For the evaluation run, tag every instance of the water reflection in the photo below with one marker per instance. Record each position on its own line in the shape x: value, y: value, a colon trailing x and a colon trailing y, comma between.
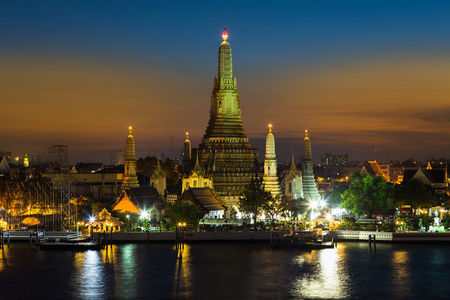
x: 322, y: 274
x: 125, y: 271
x: 108, y: 254
x: 89, y: 275
x: 401, y: 275
x: 3, y: 258
x: 182, y: 283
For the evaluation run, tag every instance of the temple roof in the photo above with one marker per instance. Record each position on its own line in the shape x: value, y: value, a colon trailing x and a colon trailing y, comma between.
x: 203, y: 198
x: 372, y: 168
x: 427, y: 176
x: 4, y: 167
x: 135, y: 200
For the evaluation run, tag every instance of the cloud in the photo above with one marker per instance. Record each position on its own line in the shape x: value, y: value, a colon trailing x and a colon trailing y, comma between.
x: 438, y: 116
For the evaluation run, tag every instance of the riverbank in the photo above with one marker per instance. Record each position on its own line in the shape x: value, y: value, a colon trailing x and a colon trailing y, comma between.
x: 266, y: 236
x: 238, y: 236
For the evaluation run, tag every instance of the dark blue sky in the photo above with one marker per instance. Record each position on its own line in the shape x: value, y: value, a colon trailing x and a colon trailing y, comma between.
x: 358, y: 74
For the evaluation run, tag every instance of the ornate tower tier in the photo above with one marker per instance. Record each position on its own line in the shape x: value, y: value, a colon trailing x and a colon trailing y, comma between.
x: 129, y: 175
x: 225, y: 151
x: 310, y: 192
x: 270, y: 179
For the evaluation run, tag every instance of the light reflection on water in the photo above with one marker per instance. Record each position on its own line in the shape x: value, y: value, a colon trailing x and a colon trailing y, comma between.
x: 182, y: 282
x: 401, y: 276
x: 3, y: 258
x: 89, y: 276
x: 322, y: 275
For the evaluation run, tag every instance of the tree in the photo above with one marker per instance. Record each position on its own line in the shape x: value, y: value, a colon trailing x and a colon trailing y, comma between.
x: 334, y: 197
x: 183, y: 212
x: 415, y: 193
x: 254, y: 199
x: 272, y: 209
x: 81, y: 204
x: 368, y: 194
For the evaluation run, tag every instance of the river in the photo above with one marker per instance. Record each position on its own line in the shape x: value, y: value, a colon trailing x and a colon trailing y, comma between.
x: 227, y: 271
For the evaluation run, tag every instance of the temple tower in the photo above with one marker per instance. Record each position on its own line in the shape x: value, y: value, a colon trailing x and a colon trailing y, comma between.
x: 293, y: 182
x: 270, y: 179
x: 309, y: 188
x: 187, y: 148
x: 225, y: 151
x: 129, y: 175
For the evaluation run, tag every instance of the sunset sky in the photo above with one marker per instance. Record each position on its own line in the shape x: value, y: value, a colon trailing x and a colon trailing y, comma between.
x: 358, y: 75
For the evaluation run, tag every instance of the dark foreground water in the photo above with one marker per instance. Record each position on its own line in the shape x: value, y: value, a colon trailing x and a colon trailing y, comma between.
x: 227, y: 271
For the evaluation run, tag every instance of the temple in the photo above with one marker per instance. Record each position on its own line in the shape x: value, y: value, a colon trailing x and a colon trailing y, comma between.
x: 310, y: 192
x: 270, y: 179
x: 225, y: 152
x: 130, y: 179
x: 293, y: 182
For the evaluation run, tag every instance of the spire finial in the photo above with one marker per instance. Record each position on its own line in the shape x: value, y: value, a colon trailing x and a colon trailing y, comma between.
x: 187, y: 135
x: 130, y: 128
x: 270, y: 128
x: 224, y: 34
x: 306, y: 132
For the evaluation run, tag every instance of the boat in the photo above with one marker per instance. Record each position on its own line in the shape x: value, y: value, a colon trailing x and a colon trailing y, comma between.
x: 305, y: 240
x: 80, y: 246
x: 74, y: 243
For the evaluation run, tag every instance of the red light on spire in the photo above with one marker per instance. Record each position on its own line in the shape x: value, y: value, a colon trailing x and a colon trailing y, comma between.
x: 224, y: 34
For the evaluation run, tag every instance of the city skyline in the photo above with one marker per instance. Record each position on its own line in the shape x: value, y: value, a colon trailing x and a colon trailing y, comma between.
x: 357, y: 75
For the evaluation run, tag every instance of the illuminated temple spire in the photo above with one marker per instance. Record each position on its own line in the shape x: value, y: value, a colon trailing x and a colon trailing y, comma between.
x: 309, y: 188
x: 225, y: 123
x: 225, y: 152
x: 187, y: 148
x: 129, y: 175
x: 270, y: 179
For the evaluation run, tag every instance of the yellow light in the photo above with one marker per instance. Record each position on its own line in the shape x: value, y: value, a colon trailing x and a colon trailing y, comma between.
x: 224, y: 35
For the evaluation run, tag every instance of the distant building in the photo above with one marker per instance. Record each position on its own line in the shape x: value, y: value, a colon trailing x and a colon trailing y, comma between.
x: 118, y: 157
x: 7, y: 155
x: 26, y: 163
x: 336, y: 160
x: 435, y: 177
x: 373, y: 168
